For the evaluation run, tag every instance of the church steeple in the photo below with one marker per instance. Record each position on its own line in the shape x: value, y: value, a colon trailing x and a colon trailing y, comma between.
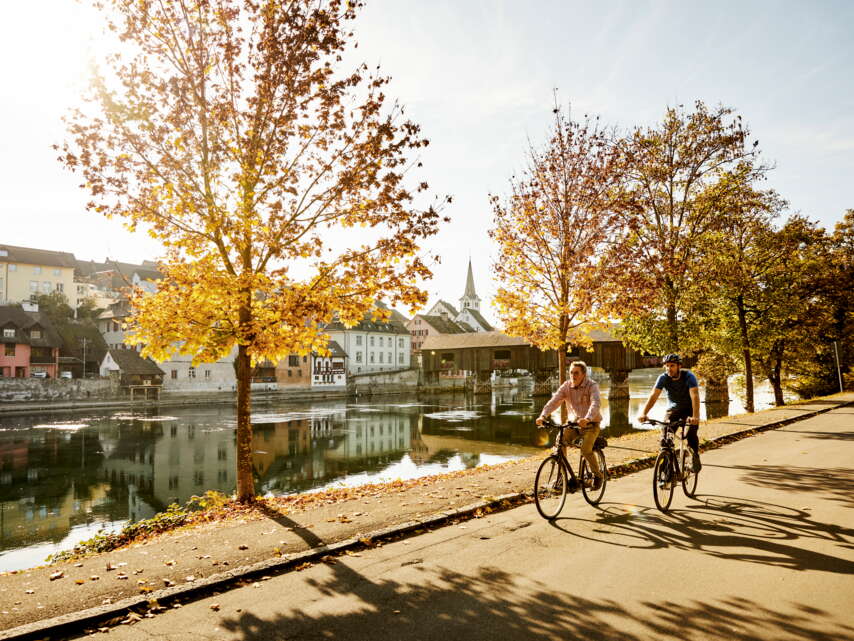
x: 470, y: 299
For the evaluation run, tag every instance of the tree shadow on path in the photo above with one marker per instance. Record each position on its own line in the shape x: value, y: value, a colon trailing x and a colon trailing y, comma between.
x: 727, y: 528
x: 443, y: 605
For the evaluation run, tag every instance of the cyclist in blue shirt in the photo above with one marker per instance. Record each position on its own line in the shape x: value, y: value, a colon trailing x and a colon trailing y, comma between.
x: 683, y: 397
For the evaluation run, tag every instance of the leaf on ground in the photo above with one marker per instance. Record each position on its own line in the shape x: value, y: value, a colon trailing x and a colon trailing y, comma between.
x: 214, y: 607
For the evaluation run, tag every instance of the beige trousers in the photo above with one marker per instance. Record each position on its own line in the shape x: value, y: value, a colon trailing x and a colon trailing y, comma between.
x: 588, y: 438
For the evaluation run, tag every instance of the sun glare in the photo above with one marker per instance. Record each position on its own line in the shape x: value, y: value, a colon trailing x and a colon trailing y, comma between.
x: 47, y: 46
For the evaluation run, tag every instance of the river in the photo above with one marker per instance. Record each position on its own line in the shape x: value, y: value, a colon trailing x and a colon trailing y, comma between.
x: 64, y: 477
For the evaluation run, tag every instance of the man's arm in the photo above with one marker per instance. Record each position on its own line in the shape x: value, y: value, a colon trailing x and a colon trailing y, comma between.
x: 553, y: 403
x: 695, y: 405
x: 653, y: 397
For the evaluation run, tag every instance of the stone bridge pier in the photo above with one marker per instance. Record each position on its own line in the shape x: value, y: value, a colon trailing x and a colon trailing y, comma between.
x: 542, y: 383
x: 483, y: 382
x: 619, y: 384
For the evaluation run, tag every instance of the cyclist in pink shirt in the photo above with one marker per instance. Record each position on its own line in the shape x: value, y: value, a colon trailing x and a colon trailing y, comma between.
x: 581, y: 395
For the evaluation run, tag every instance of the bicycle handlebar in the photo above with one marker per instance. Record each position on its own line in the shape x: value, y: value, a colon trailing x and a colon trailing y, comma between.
x: 548, y: 424
x: 675, y: 423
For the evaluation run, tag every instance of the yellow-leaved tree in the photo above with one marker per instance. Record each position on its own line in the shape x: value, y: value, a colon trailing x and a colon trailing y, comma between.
x: 550, y: 233
x: 228, y: 129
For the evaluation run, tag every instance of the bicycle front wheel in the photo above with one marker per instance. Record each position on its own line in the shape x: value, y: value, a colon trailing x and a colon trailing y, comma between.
x: 689, y: 476
x: 550, y: 487
x: 586, y: 477
x: 662, y: 481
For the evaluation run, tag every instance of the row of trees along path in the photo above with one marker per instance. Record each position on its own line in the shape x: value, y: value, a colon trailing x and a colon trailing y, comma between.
x: 667, y: 229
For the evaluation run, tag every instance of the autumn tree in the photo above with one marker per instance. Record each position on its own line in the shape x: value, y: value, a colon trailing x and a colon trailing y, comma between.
x: 549, y: 233
x: 680, y: 175
x: 812, y: 320
x: 737, y: 263
x: 230, y: 130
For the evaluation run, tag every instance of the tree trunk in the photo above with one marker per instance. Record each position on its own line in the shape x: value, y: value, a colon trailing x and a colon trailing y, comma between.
x: 672, y: 317
x: 745, y: 350
x: 561, y: 374
x: 775, y: 373
x: 245, y: 480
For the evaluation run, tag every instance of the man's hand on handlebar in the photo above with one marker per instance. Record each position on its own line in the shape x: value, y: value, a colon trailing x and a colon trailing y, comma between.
x: 693, y: 421
x: 539, y: 421
x: 643, y: 418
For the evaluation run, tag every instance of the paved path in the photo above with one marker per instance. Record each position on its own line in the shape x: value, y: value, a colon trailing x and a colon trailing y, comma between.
x: 766, y: 551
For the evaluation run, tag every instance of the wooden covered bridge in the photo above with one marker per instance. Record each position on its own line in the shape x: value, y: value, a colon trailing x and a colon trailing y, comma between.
x: 482, y: 353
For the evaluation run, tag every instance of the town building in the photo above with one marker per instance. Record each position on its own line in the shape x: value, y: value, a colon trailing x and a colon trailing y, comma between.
x: 294, y: 371
x: 423, y: 325
x: 444, y: 318
x: 374, y: 346
x: 30, y: 344
x: 26, y: 272
x: 139, y: 377
x: 329, y: 370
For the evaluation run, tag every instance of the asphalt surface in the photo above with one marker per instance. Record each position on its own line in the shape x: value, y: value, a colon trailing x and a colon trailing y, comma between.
x: 765, y: 551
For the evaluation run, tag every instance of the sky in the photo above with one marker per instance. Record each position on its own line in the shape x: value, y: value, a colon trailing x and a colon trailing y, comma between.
x: 479, y: 76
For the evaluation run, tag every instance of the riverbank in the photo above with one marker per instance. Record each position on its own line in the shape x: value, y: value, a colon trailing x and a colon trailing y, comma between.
x: 282, y: 534
x: 23, y: 408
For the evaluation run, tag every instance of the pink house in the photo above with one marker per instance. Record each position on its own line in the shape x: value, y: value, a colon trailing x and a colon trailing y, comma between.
x: 29, y: 345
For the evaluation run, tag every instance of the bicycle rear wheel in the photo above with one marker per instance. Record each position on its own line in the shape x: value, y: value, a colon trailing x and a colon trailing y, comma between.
x: 689, y: 476
x: 586, y: 478
x: 662, y: 481
x: 550, y: 487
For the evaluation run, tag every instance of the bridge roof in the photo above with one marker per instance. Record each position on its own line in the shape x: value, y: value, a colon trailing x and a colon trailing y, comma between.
x: 474, y: 339
x: 497, y: 339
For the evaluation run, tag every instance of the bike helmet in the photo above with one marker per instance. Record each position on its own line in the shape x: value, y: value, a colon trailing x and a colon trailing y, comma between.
x: 672, y: 358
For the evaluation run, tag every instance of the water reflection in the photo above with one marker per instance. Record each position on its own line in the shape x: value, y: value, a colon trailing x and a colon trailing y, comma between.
x: 62, y: 477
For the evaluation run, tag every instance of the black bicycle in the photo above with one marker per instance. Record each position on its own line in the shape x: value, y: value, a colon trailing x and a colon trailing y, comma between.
x: 555, y: 476
x: 672, y: 466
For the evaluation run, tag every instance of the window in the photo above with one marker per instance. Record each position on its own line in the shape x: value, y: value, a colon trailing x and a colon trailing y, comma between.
x: 46, y: 287
x: 293, y: 360
x: 358, y: 357
x: 372, y: 357
x: 358, y: 340
x: 381, y: 341
x: 305, y: 359
x: 60, y: 287
x: 400, y: 358
x: 9, y: 332
x: 34, y: 286
x: 289, y: 373
x: 10, y: 349
x: 35, y: 333
x: 381, y: 357
x: 174, y: 374
x: 199, y: 477
x: 81, y: 290
x: 192, y: 372
x: 400, y: 342
x: 37, y: 270
x: 13, y: 267
x: 372, y: 341
x: 221, y: 453
x: 173, y: 482
x: 389, y: 358
x: 207, y: 373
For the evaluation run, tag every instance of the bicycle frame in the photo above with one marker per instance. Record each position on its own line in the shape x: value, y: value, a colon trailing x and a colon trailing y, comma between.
x: 562, y: 457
